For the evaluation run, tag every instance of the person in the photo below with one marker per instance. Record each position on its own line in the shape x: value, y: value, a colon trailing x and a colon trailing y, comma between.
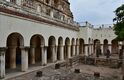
x: 108, y: 54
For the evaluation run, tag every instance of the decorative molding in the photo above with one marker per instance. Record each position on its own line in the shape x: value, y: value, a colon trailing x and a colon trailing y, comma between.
x: 39, y: 19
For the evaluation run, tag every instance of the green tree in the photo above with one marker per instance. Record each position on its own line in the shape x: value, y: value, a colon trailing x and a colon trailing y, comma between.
x: 119, y: 23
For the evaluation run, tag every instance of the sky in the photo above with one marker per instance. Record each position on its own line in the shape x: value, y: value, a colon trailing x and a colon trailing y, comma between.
x: 96, y: 12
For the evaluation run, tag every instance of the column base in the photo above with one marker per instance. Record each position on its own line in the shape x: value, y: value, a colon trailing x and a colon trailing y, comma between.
x: 44, y: 64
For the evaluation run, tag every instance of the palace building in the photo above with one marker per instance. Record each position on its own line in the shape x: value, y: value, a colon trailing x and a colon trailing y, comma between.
x: 40, y: 32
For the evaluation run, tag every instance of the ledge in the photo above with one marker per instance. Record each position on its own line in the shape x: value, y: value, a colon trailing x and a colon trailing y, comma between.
x: 39, y: 19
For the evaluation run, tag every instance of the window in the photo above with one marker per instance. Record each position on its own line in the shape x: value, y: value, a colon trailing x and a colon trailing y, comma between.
x: 48, y: 12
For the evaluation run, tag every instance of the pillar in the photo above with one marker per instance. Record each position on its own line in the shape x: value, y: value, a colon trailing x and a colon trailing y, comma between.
x: 61, y: 52
x: 73, y: 50
x: 77, y: 49
x: 92, y: 49
x: 69, y: 51
x: 24, y: 59
x: 12, y: 52
x: 32, y: 55
x: 86, y: 50
x: 102, y: 48
x: 54, y: 55
x: 56, y: 49
x: 44, y: 55
x: 2, y: 62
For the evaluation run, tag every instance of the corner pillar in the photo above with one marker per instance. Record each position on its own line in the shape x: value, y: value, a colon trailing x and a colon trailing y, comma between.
x: 2, y: 62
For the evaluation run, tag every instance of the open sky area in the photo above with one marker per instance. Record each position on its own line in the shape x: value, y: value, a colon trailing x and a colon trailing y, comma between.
x: 95, y: 12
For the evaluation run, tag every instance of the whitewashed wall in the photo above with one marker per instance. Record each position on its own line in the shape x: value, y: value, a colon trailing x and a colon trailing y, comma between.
x: 28, y: 28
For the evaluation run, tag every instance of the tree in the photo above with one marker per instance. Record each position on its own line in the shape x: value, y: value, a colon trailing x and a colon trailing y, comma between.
x: 119, y: 29
x: 119, y: 25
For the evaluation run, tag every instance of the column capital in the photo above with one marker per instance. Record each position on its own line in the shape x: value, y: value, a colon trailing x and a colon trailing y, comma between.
x: 24, y: 48
x: 2, y: 50
x: 27, y: 48
x: 42, y: 45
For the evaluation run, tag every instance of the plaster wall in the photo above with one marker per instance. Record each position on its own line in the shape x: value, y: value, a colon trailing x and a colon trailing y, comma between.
x: 27, y: 28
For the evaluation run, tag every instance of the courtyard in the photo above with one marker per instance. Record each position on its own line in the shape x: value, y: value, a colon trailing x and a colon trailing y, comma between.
x: 67, y: 72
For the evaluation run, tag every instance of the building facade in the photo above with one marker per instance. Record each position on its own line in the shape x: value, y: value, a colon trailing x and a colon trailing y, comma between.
x: 40, y: 32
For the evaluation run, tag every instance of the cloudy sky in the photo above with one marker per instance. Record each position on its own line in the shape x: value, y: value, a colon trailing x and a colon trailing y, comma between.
x: 94, y: 11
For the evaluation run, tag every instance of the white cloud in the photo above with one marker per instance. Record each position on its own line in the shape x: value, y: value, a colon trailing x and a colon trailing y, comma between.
x: 95, y: 11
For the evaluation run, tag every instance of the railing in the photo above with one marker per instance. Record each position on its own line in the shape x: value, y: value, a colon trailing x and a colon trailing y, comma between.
x: 86, y: 24
x: 32, y: 11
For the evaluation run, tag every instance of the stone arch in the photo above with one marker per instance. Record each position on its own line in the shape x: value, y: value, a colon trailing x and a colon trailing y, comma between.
x: 77, y: 41
x: 15, y: 42
x: 96, y: 45
x: 60, y: 41
x: 52, y: 41
x: 60, y: 45
x: 66, y: 49
x: 36, y: 42
x: 81, y: 46
x: 105, y: 46
x: 73, y: 41
x: 89, y: 40
x: 114, y: 47
x: 51, y: 52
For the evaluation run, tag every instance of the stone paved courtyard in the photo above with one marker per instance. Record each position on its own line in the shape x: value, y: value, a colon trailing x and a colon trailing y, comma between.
x: 86, y: 73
